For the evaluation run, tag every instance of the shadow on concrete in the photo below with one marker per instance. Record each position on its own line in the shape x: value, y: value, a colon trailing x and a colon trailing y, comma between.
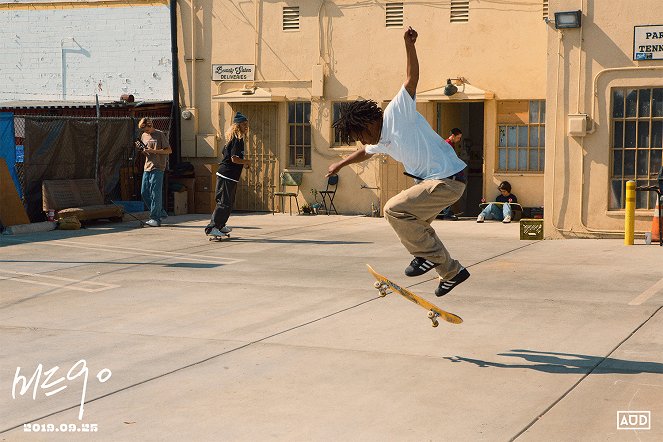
x: 292, y: 241
x: 568, y: 363
x: 187, y: 265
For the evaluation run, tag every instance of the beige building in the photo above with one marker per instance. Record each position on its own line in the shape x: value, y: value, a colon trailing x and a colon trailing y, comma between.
x: 289, y: 64
x: 605, y: 116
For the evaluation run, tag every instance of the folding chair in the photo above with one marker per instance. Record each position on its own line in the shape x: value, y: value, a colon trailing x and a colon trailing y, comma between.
x: 288, y: 179
x: 328, y: 194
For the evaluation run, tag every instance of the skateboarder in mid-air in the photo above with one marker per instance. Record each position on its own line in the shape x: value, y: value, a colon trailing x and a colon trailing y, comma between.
x: 405, y: 135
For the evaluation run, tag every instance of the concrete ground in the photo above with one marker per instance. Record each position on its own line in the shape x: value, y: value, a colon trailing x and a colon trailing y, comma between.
x: 279, y: 334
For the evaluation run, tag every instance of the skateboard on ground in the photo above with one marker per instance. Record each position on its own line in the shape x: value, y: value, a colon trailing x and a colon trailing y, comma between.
x: 218, y: 237
x: 434, y: 312
x: 142, y: 223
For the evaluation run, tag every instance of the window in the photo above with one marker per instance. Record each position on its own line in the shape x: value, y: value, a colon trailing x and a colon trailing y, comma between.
x: 520, y: 146
x: 299, y: 138
x: 336, y: 113
x: 394, y: 15
x: 291, y: 18
x: 636, y: 143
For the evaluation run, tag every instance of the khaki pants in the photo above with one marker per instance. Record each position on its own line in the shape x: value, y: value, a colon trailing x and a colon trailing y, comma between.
x: 411, y: 213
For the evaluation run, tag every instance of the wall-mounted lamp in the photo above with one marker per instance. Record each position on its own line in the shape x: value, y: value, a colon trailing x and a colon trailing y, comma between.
x: 568, y: 19
x: 248, y: 90
x: 450, y: 88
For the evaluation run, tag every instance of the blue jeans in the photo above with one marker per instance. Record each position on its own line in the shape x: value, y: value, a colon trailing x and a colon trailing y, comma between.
x: 494, y: 211
x: 152, y: 192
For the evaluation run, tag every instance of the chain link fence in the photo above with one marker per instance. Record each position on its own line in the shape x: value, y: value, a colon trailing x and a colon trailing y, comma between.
x: 73, y: 147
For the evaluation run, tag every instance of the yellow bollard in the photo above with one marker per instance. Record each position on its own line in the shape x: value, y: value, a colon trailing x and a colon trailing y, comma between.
x: 629, y: 215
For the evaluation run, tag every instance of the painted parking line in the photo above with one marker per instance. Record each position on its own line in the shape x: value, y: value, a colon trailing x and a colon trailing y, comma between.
x: 136, y: 251
x: 55, y: 281
x: 651, y: 291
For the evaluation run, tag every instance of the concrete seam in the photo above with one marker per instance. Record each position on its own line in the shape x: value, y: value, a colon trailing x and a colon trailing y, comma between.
x: 585, y: 376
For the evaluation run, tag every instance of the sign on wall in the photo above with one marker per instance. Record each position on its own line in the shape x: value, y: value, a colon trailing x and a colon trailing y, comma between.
x: 233, y: 72
x: 648, y: 42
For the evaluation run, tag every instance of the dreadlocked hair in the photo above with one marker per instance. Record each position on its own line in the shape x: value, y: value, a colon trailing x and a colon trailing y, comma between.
x: 355, y: 117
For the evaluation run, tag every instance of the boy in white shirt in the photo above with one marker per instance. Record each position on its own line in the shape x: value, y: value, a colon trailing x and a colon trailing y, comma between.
x: 404, y: 134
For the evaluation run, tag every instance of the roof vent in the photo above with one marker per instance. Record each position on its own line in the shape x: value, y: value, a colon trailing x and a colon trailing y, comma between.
x: 460, y: 11
x: 291, y: 18
x: 394, y: 15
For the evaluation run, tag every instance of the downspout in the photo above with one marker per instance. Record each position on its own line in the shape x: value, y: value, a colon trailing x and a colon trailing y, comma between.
x: 257, y: 40
x: 175, y: 112
x: 193, y: 57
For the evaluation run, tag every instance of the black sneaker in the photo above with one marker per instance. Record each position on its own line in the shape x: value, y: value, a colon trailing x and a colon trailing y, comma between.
x: 446, y: 286
x: 419, y: 266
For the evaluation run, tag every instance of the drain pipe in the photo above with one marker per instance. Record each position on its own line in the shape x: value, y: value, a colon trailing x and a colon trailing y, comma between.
x: 175, y: 112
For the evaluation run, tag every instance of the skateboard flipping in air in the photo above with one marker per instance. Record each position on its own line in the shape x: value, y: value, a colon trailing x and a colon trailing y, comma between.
x: 434, y: 312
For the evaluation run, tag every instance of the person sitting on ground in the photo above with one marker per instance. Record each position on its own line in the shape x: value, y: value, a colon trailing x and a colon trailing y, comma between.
x: 500, y: 212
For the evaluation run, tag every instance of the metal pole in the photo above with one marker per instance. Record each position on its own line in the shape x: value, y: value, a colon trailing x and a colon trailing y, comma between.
x: 177, y: 150
x: 96, y: 158
x: 629, y: 215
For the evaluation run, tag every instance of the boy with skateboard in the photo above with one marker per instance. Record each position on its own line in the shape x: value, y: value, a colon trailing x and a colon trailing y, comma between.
x: 404, y: 134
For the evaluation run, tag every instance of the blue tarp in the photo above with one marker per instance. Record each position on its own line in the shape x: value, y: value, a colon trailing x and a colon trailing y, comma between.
x: 8, y: 146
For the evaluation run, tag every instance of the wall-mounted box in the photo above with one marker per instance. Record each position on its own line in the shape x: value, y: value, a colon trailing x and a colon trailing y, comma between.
x: 577, y: 125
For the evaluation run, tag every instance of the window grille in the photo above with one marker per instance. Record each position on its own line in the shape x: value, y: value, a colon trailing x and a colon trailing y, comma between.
x: 636, y: 143
x: 520, y: 146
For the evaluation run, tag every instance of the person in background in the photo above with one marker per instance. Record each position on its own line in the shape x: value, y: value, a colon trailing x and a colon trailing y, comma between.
x: 228, y: 174
x: 500, y: 212
x: 156, y: 151
x: 454, y: 141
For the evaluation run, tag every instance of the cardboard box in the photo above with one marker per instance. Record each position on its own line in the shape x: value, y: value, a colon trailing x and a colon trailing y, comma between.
x: 205, y: 202
x: 205, y: 184
x: 206, y: 169
x: 180, y: 203
x: 190, y: 184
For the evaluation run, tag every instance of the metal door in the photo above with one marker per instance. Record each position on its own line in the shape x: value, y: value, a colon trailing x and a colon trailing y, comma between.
x: 392, y: 180
x: 254, y: 192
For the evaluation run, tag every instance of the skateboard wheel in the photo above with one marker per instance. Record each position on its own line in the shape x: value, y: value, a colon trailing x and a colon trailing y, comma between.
x: 431, y: 314
x: 435, y: 323
x: 377, y: 284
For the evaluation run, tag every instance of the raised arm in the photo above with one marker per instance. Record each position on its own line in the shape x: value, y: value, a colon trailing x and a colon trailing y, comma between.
x: 412, y: 77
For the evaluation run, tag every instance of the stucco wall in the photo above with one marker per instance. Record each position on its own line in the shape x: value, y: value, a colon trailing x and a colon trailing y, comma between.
x: 363, y: 58
x: 596, y: 57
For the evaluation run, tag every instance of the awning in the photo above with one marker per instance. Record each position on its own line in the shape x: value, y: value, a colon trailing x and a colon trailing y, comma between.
x: 248, y: 95
x: 465, y: 92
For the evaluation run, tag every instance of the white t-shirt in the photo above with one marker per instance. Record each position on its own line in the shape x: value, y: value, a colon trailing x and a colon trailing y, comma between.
x: 408, y: 138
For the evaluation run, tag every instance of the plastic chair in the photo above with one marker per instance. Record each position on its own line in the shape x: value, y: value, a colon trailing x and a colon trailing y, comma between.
x: 329, y: 193
x: 288, y: 179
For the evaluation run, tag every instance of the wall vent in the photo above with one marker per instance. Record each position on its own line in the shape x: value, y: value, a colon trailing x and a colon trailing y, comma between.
x: 291, y: 18
x: 394, y: 15
x: 545, y: 9
x: 460, y: 11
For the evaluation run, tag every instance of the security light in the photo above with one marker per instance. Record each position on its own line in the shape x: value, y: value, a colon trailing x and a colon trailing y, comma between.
x: 568, y: 19
x: 450, y: 89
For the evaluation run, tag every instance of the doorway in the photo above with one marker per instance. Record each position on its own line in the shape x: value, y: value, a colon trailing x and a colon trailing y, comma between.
x: 469, y: 118
x: 254, y: 192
